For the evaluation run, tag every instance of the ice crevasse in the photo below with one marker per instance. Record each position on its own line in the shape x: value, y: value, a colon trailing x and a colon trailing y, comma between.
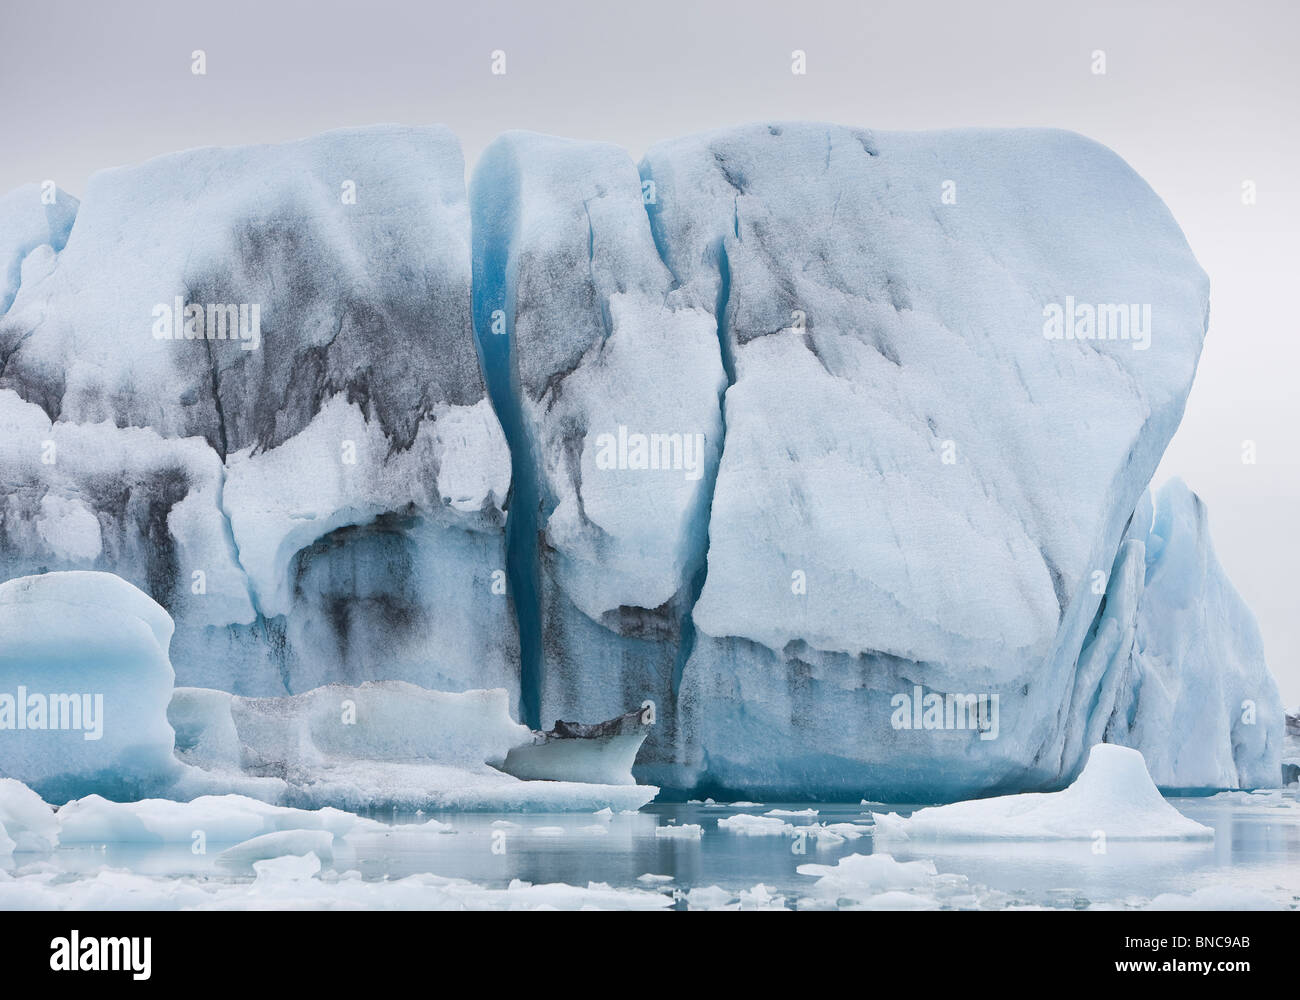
x: 785, y: 426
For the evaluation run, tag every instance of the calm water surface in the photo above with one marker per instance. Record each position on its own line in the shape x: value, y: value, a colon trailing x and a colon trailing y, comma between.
x: 1257, y: 848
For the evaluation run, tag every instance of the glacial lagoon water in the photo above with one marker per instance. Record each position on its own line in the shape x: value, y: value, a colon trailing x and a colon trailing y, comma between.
x: 1253, y: 860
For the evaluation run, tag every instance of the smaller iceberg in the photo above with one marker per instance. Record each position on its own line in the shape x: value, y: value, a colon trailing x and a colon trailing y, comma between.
x: 1113, y: 797
x: 601, y: 754
x: 84, y: 686
x: 27, y: 824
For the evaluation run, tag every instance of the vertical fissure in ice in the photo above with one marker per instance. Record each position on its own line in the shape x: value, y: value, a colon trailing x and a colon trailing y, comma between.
x: 698, y: 567
x: 703, y: 522
x: 492, y: 239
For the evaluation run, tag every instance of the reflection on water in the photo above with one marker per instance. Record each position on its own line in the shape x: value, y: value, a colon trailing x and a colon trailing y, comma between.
x: 1257, y: 847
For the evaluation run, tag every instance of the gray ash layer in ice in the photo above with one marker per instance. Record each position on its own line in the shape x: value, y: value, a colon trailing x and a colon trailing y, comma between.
x: 337, y: 481
x: 769, y: 430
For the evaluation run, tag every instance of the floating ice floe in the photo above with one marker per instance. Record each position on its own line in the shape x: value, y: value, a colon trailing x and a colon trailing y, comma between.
x: 686, y: 831
x: 223, y: 819
x: 860, y: 878
x: 749, y: 825
x: 297, y: 843
x: 602, y: 753
x: 1113, y: 797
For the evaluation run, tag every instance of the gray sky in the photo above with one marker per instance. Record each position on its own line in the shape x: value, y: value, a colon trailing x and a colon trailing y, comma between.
x: 1197, y: 96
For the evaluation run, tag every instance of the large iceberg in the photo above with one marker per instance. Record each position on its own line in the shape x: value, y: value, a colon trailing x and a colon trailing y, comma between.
x: 830, y: 443
x: 926, y: 470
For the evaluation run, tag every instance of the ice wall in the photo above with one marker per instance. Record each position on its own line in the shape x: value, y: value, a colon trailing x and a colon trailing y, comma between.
x: 917, y: 483
x: 612, y: 383
x: 317, y: 493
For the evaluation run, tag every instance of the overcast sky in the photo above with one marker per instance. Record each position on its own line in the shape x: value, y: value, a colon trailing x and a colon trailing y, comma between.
x: 1197, y: 96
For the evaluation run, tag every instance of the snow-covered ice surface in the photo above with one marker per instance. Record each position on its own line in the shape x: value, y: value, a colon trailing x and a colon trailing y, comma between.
x: 338, y: 481
x: 34, y: 226
x: 1112, y: 799
x: 908, y: 493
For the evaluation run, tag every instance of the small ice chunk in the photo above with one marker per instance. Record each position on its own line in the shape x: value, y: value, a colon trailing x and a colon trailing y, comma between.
x: 860, y: 876
x: 229, y: 819
x: 1114, y: 796
x: 280, y: 844
x: 28, y: 822
x: 756, y: 826
x: 290, y: 868
x: 708, y: 897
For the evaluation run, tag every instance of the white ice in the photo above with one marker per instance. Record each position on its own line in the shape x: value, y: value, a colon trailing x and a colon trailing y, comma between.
x: 1113, y: 798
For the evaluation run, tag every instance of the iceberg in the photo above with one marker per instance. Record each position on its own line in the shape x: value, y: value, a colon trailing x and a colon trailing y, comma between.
x: 293, y: 882
x: 602, y: 753
x: 27, y: 823
x: 922, y: 481
x: 830, y: 443
x: 866, y: 875
x: 388, y: 744
x: 748, y: 825
x: 1112, y: 798
x: 84, y: 686
x: 1176, y: 663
